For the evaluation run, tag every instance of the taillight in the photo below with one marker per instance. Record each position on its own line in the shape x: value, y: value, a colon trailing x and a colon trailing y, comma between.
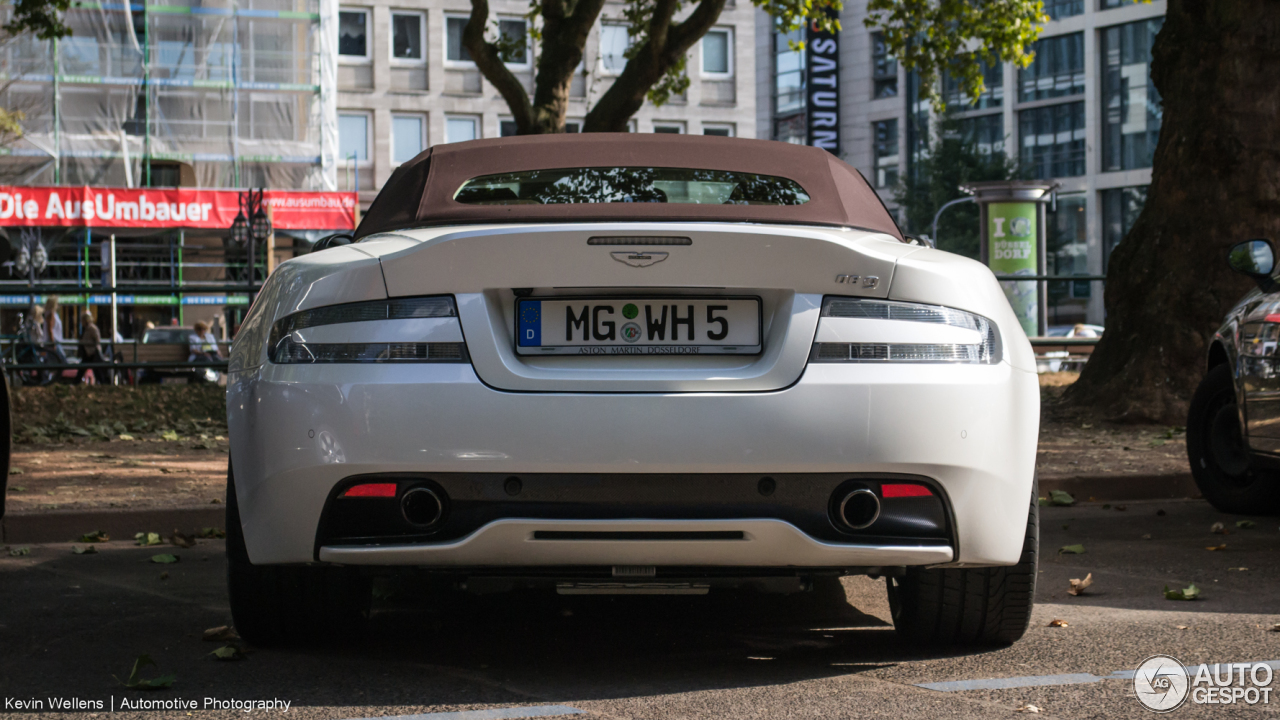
x: 903, y: 490
x: 371, y: 490
x: 860, y: 330
x: 291, y: 343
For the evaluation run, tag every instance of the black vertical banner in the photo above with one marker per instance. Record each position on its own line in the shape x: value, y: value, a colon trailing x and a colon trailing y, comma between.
x: 822, y: 89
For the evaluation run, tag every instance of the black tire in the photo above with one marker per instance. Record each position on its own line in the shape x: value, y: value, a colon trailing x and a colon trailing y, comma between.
x: 1219, y: 456
x: 969, y: 606
x: 290, y: 604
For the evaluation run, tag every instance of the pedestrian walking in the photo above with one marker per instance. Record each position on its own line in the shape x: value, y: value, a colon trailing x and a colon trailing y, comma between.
x: 53, y: 326
x: 91, y: 349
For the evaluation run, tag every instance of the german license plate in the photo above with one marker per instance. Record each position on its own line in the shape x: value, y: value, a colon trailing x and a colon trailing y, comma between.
x: 638, y: 326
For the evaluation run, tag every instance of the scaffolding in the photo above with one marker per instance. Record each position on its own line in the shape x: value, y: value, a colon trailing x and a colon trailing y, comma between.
x: 193, y: 93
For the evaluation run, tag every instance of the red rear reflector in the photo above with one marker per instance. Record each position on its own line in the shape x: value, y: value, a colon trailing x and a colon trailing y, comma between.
x: 896, y: 490
x: 371, y: 490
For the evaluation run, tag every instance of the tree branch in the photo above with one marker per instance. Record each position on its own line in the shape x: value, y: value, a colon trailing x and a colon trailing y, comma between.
x: 665, y: 46
x: 489, y: 60
x: 702, y: 19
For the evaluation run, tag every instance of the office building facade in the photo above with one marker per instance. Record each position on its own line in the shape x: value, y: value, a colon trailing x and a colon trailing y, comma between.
x: 405, y: 81
x: 1084, y: 114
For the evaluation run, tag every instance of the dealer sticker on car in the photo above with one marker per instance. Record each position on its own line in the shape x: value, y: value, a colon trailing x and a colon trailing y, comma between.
x: 638, y: 326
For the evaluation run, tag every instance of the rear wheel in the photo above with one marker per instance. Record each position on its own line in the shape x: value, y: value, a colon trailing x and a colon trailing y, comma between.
x: 1219, y: 456
x: 290, y: 604
x: 969, y: 606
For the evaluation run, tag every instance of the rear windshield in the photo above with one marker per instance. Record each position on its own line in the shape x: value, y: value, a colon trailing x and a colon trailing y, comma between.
x: 629, y: 185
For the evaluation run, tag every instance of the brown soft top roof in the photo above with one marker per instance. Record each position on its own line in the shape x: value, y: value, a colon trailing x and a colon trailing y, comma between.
x: 420, y: 192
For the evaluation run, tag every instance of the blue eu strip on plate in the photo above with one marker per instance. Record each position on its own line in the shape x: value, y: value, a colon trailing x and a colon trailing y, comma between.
x: 530, y: 323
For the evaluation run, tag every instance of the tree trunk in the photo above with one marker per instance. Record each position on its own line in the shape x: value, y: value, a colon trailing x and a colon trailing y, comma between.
x: 1215, y: 182
x: 564, y: 36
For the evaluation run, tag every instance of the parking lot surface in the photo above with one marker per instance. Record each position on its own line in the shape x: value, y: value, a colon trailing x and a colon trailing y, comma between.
x: 71, y: 627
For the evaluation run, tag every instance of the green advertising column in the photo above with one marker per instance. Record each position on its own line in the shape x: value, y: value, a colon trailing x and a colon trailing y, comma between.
x: 1013, y: 249
x: 1014, y: 244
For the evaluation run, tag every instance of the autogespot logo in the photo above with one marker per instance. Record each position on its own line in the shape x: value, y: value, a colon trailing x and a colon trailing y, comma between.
x: 1162, y: 683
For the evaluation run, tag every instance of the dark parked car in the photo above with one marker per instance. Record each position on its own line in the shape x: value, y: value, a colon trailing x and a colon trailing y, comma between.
x: 1233, y: 428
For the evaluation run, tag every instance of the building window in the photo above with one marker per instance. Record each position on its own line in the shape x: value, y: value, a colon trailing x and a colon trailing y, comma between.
x: 717, y: 52
x: 790, y: 129
x: 408, y: 137
x: 1131, y: 112
x: 614, y: 42
x: 1068, y: 254
x: 353, y: 137
x: 1058, y: 9
x: 725, y: 130
x: 986, y: 132
x: 1057, y: 71
x: 353, y: 34
x: 1109, y: 4
x: 514, y: 42
x: 407, y: 32
x: 668, y: 128
x: 1120, y: 210
x: 455, y: 51
x: 1053, y: 140
x: 991, y: 97
x: 788, y: 74
x: 884, y: 69
x: 507, y: 128
x: 461, y: 129
x: 885, y: 134
x: 1068, y: 251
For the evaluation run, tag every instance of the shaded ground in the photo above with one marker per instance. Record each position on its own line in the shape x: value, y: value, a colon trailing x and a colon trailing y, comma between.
x: 70, y: 622
x: 165, y: 446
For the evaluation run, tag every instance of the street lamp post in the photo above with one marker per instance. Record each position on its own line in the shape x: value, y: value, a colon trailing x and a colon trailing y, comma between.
x: 251, y: 226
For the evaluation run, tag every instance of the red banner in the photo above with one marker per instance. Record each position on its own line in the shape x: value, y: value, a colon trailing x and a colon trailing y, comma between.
x: 168, y: 208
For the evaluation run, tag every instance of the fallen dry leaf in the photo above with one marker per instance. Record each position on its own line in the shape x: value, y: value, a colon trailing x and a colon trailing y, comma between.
x: 1028, y: 708
x: 1275, y: 628
x: 181, y: 540
x: 1181, y: 627
x: 228, y: 652
x: 1218, y: 529
x: 1223, y: 546
x: 222, y: 633
x: 1078, y: 586
x: 1058, y: 623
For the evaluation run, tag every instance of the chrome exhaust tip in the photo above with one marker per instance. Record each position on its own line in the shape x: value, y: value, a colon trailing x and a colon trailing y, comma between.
x: 422, y: 507
x: 859, y: 509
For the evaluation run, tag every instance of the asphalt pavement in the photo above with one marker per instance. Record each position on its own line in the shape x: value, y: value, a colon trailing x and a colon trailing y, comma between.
x: 71, y: 627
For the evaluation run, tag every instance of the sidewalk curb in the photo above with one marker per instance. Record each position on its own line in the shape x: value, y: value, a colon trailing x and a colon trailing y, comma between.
x: 66, y: 526
x: 1123, y: 487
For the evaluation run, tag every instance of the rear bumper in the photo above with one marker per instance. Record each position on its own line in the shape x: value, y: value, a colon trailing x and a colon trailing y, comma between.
x: 762, y: 543
x: 299, y: 431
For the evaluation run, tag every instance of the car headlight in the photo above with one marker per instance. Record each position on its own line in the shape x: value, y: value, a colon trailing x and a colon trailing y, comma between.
x: 862, y: 330
x: 395, y: 330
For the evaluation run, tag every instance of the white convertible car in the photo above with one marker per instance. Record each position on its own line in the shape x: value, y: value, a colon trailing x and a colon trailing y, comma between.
x: 632, y: 363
